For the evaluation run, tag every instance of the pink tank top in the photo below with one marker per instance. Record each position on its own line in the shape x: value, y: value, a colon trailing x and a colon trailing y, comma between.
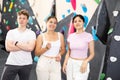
x: 79, y: 44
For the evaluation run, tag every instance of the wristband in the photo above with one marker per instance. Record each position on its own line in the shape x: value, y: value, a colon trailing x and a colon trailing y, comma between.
x: 16, y: 43
x: 46, y: 47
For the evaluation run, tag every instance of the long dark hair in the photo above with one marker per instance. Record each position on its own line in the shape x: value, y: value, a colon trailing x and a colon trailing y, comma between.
x: 78, y: 15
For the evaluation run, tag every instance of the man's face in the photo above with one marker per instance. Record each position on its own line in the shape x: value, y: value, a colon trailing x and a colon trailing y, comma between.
x: 22, y: 20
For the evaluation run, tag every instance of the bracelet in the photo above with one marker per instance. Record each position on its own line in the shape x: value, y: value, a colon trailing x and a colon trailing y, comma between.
x: 16, y: 43
x: 46, y: 47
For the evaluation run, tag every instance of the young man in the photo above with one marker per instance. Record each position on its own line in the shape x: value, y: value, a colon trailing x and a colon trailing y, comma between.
x: 19, y: 42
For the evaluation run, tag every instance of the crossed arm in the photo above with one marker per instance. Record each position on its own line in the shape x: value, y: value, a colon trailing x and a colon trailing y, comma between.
x: 25, y: 46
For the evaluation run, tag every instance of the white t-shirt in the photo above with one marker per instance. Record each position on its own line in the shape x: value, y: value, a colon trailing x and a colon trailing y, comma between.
x: 20, y: 58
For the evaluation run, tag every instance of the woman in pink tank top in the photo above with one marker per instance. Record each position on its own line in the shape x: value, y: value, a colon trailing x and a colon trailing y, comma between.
x: 76, y: 63
x: 49, y: 46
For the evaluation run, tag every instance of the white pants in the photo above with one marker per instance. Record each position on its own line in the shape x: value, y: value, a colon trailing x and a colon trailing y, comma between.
x: 73, y: 70
x: 48, y: 69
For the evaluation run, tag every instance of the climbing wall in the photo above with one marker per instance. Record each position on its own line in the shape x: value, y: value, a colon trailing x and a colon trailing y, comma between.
x: 9, y: 10
x: 39, y: 10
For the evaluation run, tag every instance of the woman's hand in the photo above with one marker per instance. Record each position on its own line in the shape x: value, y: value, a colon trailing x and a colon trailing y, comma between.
x: 64, y: 68
x: 83, y: 67
x: 58, y: 57
x: 48, y: 46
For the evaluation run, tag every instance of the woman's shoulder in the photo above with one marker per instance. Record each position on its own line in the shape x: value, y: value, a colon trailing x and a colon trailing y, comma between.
x: 72, y: 34
x: 59, y: 33
x: 40, y: 35
x: 87, y: 33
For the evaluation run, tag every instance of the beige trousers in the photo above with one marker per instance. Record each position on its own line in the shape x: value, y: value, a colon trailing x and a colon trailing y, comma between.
x: 73, y: 70
x: 48, y: 69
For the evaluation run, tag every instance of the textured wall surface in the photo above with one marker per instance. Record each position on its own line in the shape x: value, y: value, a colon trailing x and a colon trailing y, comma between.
x: 39, y: 10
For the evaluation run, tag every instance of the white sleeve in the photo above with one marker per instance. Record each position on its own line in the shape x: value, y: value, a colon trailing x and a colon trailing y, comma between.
x: 9, y: 35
